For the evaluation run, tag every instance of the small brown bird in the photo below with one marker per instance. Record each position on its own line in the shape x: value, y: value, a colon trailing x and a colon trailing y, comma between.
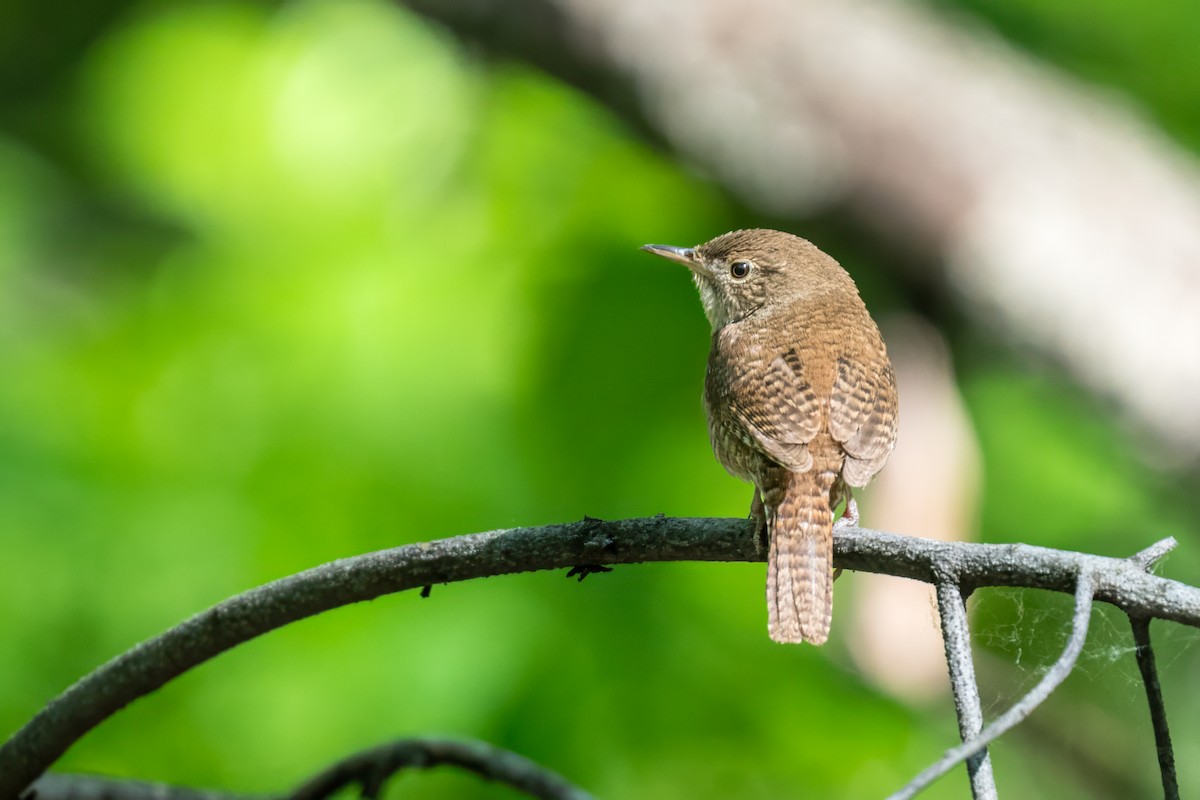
x: 801, y: 401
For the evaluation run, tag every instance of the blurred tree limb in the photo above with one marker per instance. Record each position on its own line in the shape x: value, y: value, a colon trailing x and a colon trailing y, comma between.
x: 369, y: 769
x: 143, y: 669
x: 1052, y: 208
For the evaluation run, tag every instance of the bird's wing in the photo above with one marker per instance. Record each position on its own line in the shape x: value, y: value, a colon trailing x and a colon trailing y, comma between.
x: 779, y: 409
x: 863, y: 416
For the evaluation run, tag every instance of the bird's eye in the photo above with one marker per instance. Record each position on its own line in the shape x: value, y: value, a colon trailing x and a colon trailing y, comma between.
x: 739, y: 269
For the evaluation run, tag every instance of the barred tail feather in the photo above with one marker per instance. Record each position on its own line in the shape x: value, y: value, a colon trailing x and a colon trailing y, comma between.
x: 800, y: 563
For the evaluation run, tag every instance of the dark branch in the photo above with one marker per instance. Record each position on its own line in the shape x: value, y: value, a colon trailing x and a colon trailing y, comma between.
x: 1158, y: 710
x: 371, y: 768
x: 1084, y: 593
x: 146, y: 667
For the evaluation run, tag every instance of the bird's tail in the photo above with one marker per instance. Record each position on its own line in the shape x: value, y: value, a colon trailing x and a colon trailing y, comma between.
x: 800, y: 560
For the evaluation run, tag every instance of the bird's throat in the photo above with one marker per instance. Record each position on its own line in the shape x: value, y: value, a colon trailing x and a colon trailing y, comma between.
x: 714, y: 309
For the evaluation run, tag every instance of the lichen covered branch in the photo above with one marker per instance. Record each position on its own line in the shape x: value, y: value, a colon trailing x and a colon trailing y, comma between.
x: 146, y: 667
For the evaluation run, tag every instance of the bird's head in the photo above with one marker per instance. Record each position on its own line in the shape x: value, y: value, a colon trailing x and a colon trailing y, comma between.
x: 755, y: 272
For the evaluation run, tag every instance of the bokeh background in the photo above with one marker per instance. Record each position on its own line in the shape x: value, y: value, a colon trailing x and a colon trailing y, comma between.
x: 284, y: 283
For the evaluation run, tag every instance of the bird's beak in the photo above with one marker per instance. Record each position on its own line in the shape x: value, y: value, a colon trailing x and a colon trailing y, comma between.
x: 681, y: 255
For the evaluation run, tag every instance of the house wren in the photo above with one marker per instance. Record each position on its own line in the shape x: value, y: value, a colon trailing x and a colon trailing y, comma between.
x: 801, y: 401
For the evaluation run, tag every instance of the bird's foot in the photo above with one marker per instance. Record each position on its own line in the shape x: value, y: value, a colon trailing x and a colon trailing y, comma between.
x: 849, y: 517
x: 762, y: 539
x: 758, y: 513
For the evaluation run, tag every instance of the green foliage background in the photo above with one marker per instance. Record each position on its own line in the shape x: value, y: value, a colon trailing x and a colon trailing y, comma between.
x: 283, y: 284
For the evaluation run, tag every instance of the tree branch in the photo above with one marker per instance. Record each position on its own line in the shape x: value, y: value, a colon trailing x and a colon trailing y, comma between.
x: 956, y: 635
x: 371, y: 768
x: 1158, y: 710
x: 149, y: 665
x: 65, y: 786
x: 1058, y: 673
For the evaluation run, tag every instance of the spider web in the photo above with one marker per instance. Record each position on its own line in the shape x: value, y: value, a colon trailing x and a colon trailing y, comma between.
x: 1022, y: 631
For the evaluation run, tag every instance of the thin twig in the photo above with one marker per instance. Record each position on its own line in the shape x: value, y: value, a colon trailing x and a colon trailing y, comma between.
x: 1158, y: 710
x: 956, y: 635
x: 1155, y: 553
x: 371, y: 768
x: 146, y: 667
x: 1084, y: 592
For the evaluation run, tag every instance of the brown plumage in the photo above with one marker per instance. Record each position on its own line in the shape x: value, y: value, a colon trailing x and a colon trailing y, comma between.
x: 801, y: 401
